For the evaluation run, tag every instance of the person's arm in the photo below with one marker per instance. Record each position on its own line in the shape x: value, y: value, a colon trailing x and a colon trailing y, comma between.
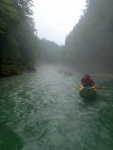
x: 92, y: 83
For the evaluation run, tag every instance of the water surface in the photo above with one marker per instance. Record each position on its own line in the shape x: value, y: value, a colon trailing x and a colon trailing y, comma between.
x: 44, y: 111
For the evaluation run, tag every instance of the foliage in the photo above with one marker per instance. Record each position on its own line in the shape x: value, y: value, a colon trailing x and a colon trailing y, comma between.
x: 50, y: 52
x: 17, y: 33
x: 8, y: 70
x: 89, y: 47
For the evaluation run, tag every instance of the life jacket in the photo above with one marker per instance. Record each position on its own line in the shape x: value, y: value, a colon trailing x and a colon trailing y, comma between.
x: 87, y: 82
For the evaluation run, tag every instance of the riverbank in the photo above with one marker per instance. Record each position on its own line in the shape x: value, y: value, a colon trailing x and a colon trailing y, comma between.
x: 12, y: 70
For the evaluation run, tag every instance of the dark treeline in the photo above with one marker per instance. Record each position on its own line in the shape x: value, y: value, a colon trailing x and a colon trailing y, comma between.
x: 49, y: 52
x: 20, y: 47
x: 18, y: 40
x: 89, y: 46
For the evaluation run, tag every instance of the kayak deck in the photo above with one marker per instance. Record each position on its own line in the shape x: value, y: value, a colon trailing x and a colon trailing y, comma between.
x: 87, y: 91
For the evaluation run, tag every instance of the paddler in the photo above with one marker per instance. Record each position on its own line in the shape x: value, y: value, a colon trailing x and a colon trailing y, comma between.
x: 86, y: 81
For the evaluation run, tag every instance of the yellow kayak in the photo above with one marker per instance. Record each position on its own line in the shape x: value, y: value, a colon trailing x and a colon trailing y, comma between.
x: 87, y: 91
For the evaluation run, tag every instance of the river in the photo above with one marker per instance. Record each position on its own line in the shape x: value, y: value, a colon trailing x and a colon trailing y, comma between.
x: 44, y: 111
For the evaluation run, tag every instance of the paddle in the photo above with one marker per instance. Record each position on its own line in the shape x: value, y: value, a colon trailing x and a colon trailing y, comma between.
x: 100, y: 88
x: 103, y: 88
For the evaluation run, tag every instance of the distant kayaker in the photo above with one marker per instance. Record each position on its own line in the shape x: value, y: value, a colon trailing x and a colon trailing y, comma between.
x: 87, y: 81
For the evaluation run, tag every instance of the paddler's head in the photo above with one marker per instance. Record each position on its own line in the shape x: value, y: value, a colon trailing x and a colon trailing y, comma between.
x: 87, y: 76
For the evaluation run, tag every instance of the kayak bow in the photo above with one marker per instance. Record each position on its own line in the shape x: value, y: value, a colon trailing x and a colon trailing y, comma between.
x: 87, y: 91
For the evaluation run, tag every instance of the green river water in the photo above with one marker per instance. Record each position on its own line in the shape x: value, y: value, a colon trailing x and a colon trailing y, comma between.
x: 44, y: 111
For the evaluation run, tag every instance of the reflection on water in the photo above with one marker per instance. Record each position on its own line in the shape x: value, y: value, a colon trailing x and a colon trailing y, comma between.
x: 44, y: 111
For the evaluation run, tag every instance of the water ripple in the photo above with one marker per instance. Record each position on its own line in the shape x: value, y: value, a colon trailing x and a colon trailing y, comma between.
x: 44, y: 111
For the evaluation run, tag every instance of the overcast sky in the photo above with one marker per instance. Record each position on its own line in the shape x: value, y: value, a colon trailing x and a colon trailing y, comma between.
x: 54, y: 19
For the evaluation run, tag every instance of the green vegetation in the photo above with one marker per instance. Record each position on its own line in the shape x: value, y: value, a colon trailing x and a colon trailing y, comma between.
x: 18, y: 41
x: 20, y: 48
x: 89, y: 46
x: 49, y: 52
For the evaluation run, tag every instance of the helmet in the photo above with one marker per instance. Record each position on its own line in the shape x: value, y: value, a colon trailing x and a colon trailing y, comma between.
x: 87, y: 76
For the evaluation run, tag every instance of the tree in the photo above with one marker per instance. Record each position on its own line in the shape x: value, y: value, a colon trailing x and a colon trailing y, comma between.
x: 89, y: 46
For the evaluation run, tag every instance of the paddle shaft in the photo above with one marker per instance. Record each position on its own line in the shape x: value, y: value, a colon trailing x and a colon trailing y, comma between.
x: 100, y: 88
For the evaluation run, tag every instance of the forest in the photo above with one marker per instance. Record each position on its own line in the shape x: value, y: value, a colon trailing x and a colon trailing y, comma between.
x: 88, y: 47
